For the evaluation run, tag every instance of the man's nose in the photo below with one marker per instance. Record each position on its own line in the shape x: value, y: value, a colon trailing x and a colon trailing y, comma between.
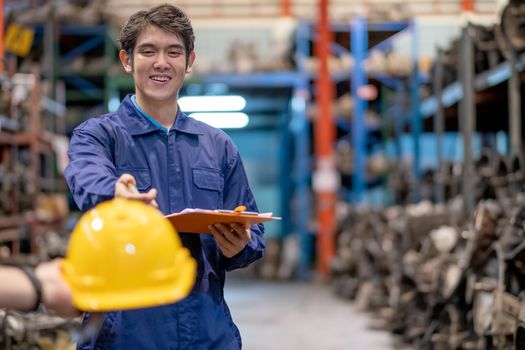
x: 161, y: 62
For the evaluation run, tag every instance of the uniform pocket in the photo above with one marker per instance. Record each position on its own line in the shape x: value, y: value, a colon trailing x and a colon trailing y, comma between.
x: 141, y: 176
x: 143, y: 179
x: 208, y: 188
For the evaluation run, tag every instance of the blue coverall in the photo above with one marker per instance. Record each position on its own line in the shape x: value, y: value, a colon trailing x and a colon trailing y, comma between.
x: 192, y: 166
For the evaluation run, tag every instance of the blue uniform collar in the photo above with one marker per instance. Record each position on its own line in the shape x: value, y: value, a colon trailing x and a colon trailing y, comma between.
x: 152, y: 121
x: 140, y: 123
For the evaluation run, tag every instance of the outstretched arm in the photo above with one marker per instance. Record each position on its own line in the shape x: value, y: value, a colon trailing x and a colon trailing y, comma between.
x: 90, y: 174
x: 21, y: 294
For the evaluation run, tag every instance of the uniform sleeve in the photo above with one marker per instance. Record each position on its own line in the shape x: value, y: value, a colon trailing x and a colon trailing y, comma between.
x: 237, y: 192
x: 90, y: 174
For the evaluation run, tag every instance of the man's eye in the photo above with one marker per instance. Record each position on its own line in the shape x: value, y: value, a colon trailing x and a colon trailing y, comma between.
x: 174, y: 53
x: 147, y: 52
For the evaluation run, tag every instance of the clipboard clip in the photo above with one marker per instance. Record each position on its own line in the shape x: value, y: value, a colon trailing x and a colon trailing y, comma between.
x: 241, y: 209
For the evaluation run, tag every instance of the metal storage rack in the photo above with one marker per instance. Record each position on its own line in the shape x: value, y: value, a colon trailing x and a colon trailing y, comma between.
x: 298, y: 127
x: 462, y: 93
x: 20, y: 222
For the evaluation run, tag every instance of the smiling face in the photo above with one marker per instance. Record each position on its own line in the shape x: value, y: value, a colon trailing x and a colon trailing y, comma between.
x: 158, y: 66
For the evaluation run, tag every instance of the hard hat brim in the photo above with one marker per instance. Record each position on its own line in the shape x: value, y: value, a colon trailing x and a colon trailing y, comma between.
x: 168, y: 293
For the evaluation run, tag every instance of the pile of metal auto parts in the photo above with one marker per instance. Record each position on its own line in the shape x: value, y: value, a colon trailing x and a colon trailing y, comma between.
x: 34, y: 331
x: 439, y: 278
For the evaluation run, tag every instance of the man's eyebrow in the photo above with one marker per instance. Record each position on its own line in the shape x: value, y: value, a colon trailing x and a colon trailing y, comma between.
x: 177, y: 46
x: 149, y: 45
x: 145, y: 46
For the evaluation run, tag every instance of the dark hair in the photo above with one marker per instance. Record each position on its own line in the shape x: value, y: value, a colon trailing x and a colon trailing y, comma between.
x: 167, y: 17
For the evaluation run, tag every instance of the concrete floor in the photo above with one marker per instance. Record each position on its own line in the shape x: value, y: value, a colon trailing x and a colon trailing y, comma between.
x: 290, y: 315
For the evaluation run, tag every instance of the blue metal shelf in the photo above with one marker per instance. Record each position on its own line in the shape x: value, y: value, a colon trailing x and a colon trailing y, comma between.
x: 300, y: 129
x: 83, y: 30
x: 359, y: 31
x: 370, y: 27
x: 267, y: 79
x: 359, y: 45
x: 82, y: 87
x: 387, y: 26
x: 298, y: 126
x: 386, y: 80
x: 282, y: 79
x: 77, y: 30
x: 82, y: 48
x: 346, y: 125
x: 453, y: 93
x: 397, y: 28
x: 386, y: 44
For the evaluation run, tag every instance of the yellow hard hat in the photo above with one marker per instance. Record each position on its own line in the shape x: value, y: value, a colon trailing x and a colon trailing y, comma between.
x: 124, y: 254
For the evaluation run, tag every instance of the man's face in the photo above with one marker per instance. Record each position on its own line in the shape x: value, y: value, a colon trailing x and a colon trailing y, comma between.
x: 158, y: 66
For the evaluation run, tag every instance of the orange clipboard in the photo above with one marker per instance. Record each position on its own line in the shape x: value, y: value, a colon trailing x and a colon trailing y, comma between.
x: 198, y: 220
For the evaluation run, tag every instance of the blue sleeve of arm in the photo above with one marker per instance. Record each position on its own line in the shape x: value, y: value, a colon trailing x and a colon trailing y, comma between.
x: 238, y: 192
x: 90, y: 174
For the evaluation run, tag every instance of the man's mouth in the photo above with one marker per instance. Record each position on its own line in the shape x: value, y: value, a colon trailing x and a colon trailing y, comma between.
x: 160, y: 78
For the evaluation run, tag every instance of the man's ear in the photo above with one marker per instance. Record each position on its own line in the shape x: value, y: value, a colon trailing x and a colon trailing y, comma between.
x: 190, y: 62
x: 126, y: 61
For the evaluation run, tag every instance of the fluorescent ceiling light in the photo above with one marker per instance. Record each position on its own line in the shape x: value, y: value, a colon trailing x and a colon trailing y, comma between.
x: 212, y: 103
x: 231, y: 120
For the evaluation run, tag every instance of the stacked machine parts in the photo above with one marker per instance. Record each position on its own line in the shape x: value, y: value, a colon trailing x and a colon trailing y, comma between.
x: 33, y: 206
x: 436, y: 274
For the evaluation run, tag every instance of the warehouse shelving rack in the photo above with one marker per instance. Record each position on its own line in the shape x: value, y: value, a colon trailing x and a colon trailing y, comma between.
x: 361, y: 45
x: 81, y: 87
x: 299, y: 126
x: 295, y: 129
x: 453, y: 93
x: 89, y: 89
x: 462, y: 93
x: 25, y: 224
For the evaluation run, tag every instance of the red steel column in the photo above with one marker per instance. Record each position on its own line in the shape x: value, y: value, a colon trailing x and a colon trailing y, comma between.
x: 325, y: 183
x: 286, y: 8
x: 468, y: 5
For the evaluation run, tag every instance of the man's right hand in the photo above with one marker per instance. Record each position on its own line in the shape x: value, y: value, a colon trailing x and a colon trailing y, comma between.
x: 126, y: 187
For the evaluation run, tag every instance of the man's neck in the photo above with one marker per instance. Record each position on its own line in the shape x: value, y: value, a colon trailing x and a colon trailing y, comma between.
x: 163, y: 113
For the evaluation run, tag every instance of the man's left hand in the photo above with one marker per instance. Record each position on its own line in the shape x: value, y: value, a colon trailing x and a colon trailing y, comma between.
x: 231, y: 238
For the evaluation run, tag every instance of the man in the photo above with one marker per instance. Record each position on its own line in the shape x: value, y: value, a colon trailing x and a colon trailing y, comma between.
x: 149, y: 150
x: 25, y: 289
